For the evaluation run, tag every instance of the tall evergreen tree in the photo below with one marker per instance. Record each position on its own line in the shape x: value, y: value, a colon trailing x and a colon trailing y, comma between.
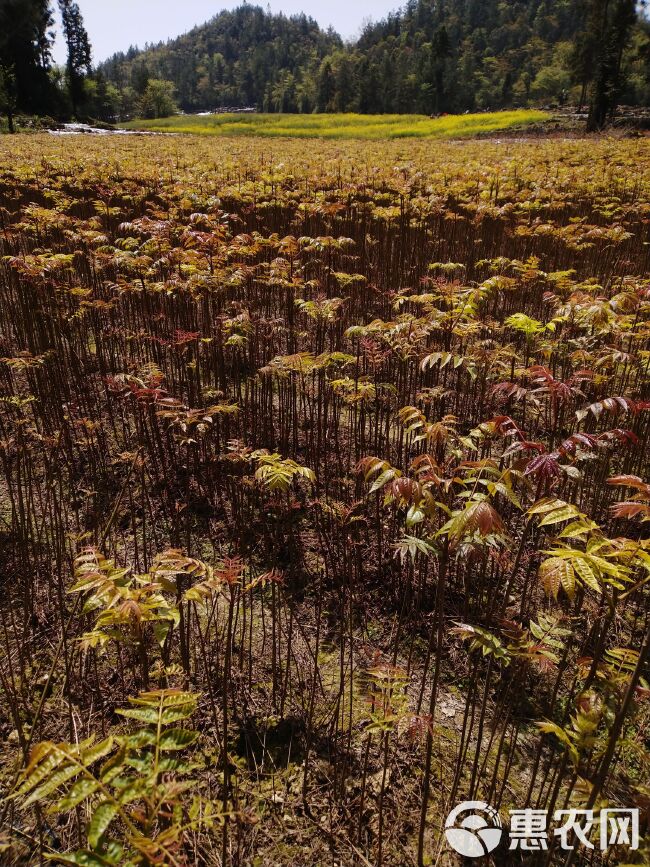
x: 326, y: 87
x: 616, y: 19
x: 25, y: 42
x: 8, y: 97
x: 441, y: 50
x: 597, y: 59
x: 79, y: 54
x: 583, y: 56
x: 344, y: 84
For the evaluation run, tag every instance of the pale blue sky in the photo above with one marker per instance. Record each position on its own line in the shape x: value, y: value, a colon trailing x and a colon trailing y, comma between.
x: 114, y: 25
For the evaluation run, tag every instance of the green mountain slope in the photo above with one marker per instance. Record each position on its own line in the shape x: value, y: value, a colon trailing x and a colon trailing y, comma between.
x: 239, y: 58
x: 432, y: 56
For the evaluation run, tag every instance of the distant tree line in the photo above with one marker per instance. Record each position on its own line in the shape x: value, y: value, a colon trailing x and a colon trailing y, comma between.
x: 431, y: 57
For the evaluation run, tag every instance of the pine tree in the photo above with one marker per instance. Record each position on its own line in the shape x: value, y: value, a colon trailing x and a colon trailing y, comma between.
x: 598, y: 56
x: 8, y: 95
x: 25, y: 41
x: 441, y: 49
x: 79, y: 54
x: 344, y: 84
x: 326, y: 87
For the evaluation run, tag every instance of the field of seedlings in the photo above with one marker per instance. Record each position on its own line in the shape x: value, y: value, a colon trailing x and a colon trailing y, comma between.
x: 324, y: 490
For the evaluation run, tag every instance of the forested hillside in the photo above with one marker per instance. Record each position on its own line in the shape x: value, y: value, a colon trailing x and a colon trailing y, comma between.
x: 247, y: 57
x: 431, y: 56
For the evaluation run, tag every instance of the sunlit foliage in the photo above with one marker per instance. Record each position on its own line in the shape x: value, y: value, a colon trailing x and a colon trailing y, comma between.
x: 324, y: 493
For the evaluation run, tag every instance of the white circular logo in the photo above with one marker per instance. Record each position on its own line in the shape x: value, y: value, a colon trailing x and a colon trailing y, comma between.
x: 478, y: 833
